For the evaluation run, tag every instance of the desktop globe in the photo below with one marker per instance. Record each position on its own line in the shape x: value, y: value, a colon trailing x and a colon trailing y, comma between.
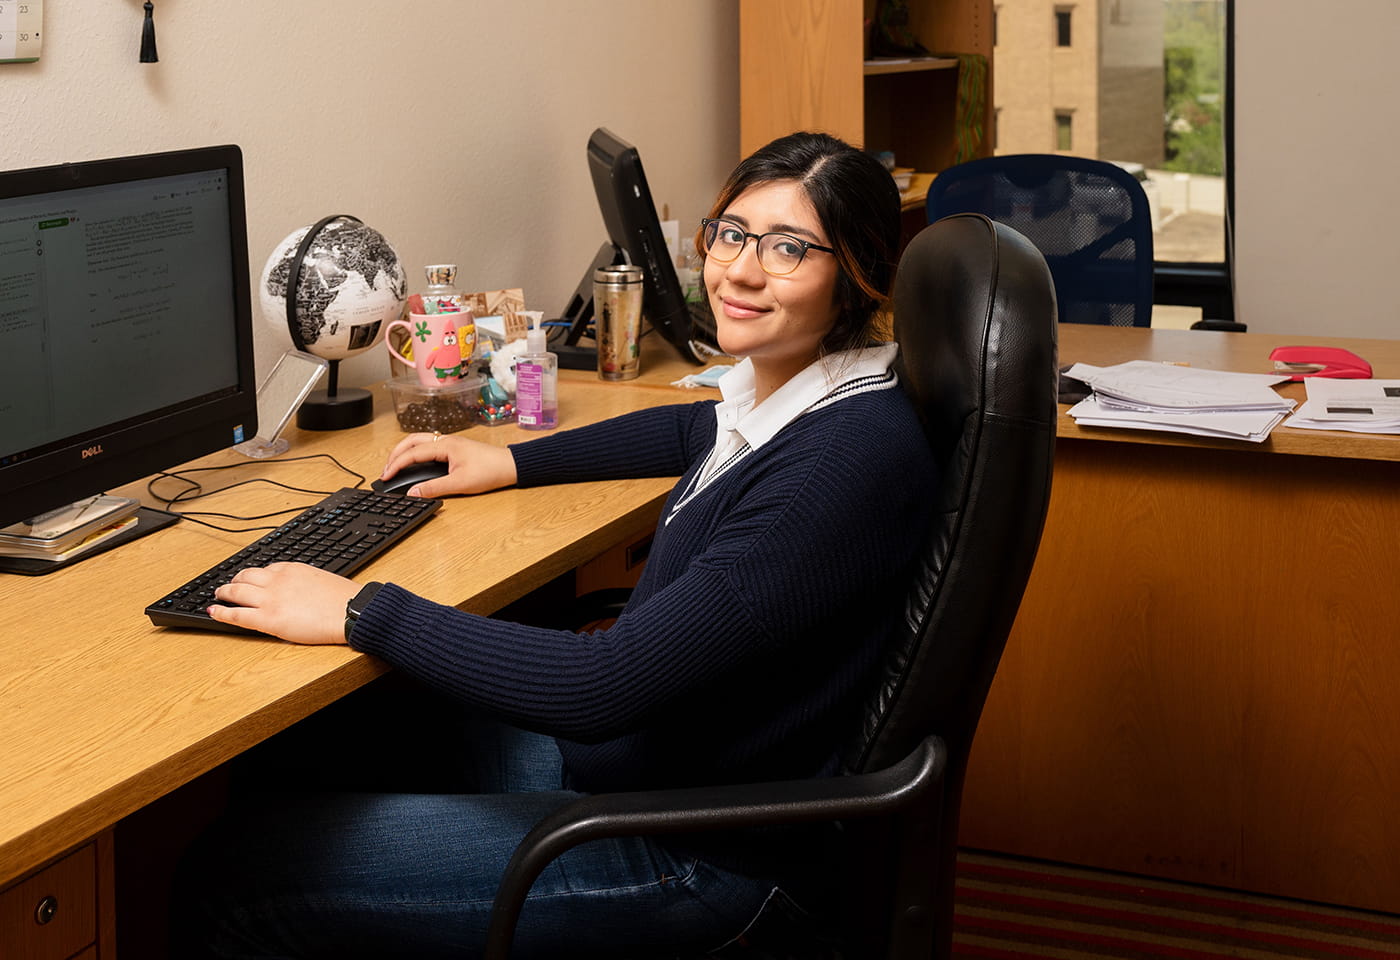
x: 348, y: 285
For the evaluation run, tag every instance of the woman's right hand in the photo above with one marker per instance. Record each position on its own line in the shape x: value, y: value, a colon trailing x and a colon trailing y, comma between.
x: 473, y: 466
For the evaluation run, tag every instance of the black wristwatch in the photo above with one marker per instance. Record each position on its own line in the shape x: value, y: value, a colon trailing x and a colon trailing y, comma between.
x: 357, y: 604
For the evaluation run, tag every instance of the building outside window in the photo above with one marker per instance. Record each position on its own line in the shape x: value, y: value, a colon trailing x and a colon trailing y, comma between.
x: 1144, y: 85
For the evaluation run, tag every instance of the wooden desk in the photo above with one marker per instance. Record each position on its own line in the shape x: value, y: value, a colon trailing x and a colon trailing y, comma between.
x: 103, y: 713
x: 1201, y: 683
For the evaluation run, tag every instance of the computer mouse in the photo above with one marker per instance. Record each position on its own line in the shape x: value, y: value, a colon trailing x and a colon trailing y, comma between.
x: 412, y: 474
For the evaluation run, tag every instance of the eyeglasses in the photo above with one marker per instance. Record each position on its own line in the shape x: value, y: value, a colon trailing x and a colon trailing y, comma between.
x: 778, y: 253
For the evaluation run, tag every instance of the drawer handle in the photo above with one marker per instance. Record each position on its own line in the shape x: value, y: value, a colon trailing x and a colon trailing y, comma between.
x: 46, y: 910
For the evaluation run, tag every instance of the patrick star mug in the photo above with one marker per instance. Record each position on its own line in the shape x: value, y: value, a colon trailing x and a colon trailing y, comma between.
x: 437, y: 352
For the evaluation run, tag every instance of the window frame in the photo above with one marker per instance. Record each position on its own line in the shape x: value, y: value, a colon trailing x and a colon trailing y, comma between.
x: 1205, y: 284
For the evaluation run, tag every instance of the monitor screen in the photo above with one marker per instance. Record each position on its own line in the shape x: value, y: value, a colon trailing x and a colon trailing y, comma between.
x: 635, y: 237
x: 125, y: 322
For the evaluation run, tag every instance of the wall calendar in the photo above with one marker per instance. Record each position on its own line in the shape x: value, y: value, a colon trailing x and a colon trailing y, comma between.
x: 19, y: 30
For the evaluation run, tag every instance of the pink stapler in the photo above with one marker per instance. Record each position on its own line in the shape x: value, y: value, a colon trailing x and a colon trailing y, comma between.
x: 1300, y: 362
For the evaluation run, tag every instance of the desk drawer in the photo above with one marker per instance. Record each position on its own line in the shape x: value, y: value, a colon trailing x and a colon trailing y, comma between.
x: 620, y: 566
x: 53, y: 914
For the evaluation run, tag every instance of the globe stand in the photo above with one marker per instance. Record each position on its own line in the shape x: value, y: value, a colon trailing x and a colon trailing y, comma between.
x: 329, y: 409
x: 334, y: 409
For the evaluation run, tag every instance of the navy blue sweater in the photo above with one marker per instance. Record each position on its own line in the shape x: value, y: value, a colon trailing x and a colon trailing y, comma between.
x: 745, y: 649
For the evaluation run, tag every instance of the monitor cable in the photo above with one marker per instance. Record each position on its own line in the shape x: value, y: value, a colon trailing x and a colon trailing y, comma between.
x: 194, y: 491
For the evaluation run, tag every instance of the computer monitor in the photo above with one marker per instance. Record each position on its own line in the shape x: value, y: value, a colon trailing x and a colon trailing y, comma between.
x: 126, y: 341
x: 634, y: 236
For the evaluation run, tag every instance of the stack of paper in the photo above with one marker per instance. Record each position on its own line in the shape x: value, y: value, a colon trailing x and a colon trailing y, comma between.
x: 1363, y: 406
x: 69, y: 531
x: 1144, y: 395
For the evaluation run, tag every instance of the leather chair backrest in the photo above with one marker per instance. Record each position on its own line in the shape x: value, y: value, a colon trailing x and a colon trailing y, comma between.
x: 974, y: 315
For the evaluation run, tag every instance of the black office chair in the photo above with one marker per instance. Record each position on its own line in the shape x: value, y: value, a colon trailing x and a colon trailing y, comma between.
x: 1089, y: 218
x: 975, y: 319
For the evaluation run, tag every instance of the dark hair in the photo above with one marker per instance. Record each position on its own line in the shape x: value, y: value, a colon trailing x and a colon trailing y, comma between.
x: 856, y: 201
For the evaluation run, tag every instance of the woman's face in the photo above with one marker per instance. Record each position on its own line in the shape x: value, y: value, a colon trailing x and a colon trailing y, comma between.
x: 779, y: 322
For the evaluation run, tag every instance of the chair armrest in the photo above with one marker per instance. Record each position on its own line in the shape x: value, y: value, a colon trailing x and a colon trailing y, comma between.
x: 695, y: 809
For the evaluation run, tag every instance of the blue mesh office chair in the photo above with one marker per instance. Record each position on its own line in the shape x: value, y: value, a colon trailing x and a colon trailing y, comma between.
x: 1089, y: 218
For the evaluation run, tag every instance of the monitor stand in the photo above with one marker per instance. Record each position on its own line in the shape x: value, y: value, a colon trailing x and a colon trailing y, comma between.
x: 576, y: 349
x: 582, y: 355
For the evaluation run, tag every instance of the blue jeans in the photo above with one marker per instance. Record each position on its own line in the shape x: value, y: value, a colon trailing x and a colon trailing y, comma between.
x: 297, y: 873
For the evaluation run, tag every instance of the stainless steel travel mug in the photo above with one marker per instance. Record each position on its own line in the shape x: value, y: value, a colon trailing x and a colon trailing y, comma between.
x: 617, y: 313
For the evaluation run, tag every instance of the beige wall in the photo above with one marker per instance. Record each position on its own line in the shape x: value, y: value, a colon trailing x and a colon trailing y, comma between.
x: 1315, y: 197
x: 457, y: 128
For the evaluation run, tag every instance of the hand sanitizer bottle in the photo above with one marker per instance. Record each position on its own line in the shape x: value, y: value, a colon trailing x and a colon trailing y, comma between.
x: 536, y: 384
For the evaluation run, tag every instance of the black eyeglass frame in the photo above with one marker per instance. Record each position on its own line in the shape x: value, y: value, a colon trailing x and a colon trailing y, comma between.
x: 757, y: 238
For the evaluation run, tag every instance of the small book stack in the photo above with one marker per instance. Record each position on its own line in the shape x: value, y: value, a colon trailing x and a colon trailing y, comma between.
x: 69, y: 531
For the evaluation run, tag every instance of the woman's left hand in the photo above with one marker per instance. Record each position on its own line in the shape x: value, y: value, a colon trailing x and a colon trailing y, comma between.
x: 294, y: 601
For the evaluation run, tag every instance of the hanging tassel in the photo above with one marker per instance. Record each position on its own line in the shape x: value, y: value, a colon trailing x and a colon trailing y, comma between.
x: 148, y: 36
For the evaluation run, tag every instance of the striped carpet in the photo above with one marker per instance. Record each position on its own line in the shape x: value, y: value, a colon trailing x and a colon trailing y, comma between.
x: 1013, y: 910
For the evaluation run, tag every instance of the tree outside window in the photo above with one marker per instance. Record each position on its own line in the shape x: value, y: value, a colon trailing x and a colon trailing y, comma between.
x: 1194, y: 88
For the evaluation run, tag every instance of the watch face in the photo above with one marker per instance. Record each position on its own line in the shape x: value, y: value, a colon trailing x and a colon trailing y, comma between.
x: 357, y: 604
x: 361, y: 600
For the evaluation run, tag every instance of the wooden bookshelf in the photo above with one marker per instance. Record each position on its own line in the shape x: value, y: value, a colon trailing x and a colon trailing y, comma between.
x: 803, y: 66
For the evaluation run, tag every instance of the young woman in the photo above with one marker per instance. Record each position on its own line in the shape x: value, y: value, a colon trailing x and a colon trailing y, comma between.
x: 771, y: 585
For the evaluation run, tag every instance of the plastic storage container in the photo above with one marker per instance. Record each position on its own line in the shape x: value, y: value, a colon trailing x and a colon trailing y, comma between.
x: 443, y: 409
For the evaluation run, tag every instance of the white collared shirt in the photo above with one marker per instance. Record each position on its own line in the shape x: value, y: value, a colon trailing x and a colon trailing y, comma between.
x: 742, y: 425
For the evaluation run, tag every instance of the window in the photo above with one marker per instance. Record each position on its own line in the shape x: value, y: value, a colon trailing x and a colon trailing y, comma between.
x: 1064, y: 131
x: 1146, y: 82
x: 1062, y: 28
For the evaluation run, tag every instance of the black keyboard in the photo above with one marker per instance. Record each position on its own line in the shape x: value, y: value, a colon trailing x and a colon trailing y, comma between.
x: 342, y: 533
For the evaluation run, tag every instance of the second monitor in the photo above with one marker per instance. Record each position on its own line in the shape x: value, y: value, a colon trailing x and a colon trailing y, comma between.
x: 634, y: 236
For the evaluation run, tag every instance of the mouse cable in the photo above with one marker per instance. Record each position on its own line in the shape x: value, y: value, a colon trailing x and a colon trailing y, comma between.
x: 195, y: 491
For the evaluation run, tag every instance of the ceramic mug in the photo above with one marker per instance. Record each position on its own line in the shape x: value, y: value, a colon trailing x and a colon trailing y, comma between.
x: 437, y: 349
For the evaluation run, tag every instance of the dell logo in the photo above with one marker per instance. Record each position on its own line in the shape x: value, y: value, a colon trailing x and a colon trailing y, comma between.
x: 92, y: 451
